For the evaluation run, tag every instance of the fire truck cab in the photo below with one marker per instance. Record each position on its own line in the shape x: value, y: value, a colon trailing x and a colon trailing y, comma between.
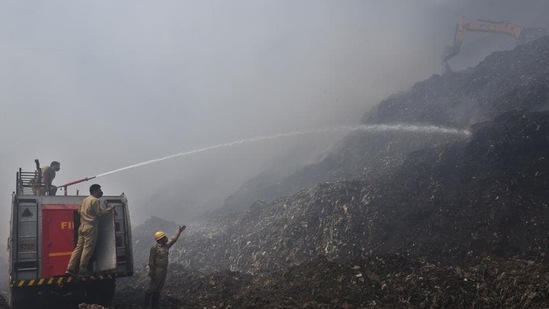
x: 43, y: 234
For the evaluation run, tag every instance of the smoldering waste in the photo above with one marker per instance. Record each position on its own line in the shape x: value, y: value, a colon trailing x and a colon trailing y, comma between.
x: 379, y: 223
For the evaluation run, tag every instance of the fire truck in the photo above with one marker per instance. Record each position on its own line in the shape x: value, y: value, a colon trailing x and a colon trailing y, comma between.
x: 43, y: 234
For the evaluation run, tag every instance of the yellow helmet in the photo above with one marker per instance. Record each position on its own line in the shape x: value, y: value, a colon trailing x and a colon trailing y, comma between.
x: 159, y: 235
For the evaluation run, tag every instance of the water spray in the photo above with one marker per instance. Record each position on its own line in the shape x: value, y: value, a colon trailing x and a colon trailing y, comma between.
x: 366, y: 128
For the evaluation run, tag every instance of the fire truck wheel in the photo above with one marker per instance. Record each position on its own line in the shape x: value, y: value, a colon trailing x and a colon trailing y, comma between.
x: 101, y: 292
x: 21, y: 297
x: 108, y: 290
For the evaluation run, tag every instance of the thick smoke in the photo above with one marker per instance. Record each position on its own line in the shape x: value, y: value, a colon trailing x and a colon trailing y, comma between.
x: 101, y: 86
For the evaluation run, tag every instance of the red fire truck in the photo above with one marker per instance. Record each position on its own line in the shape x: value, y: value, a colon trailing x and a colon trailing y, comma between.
x: 43, y: 234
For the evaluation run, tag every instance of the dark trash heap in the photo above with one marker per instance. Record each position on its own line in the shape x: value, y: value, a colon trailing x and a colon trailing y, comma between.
x: 381, y: 281
x: 388, y: 222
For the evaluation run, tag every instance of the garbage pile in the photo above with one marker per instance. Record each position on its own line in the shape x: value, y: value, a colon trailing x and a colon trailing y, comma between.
x: 379, y: 281
x: 461, y: 225
x: 437, y: 223
x: 503, y: 82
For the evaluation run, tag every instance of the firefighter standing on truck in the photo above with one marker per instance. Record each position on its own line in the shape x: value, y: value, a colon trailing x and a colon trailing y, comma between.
x: 158, y: 266
x: 89, y: 211
x: 47, y: 176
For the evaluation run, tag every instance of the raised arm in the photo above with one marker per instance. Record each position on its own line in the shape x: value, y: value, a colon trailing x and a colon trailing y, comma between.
x: 174, y: 238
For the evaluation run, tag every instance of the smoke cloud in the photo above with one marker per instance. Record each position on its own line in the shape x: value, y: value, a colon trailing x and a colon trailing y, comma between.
x: 103, y: 85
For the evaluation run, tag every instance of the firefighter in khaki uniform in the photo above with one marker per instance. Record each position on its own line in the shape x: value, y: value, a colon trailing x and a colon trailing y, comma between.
x: 44, y: 186
x: 158, y: 265
x: 89, y: 211
x: 48, y: 174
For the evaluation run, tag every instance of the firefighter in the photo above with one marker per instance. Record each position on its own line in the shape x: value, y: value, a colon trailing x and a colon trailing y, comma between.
x: 89, y: 211
x: 48, y: 174
x: 158, y: 266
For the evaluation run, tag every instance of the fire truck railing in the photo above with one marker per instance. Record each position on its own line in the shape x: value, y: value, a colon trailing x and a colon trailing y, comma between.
x: 27, y: 182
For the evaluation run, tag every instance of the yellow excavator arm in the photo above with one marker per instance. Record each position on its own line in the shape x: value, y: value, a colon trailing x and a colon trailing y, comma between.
x: 518, y: 32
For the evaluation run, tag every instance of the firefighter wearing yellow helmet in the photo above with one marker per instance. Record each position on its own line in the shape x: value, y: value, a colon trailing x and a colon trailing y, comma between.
x: 159, y: 235
x: 158, y: 266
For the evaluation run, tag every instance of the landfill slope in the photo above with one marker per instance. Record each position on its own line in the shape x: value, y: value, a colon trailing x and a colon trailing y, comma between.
x: 444, y: 222
x: 486, y: 196
x: 503, y: 82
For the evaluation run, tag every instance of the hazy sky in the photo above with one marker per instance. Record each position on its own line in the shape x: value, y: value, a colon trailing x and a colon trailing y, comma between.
x: 99, y: 85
